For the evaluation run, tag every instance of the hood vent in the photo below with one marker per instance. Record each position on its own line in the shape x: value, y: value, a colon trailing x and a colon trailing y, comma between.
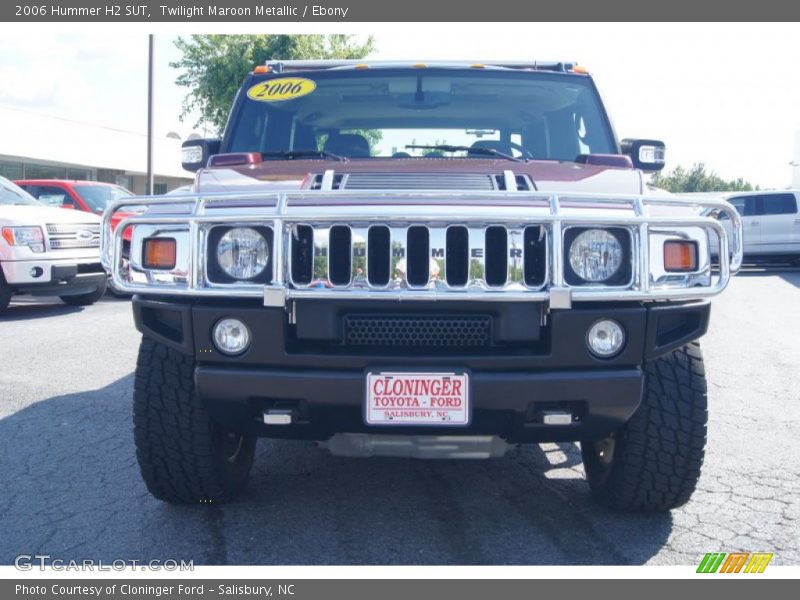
x: 336, y: 182
x: 420, y: 181
x: 523, y: 183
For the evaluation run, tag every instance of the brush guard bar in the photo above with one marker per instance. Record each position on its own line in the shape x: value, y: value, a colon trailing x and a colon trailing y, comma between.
x: 651, y: 220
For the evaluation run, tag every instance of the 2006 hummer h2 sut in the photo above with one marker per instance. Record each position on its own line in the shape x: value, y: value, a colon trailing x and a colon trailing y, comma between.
x: 426, y: 260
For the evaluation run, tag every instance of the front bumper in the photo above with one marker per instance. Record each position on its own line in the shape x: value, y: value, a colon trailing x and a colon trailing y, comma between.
x: 60, y: 277
x: 534, y: 365
x: 506, y: 404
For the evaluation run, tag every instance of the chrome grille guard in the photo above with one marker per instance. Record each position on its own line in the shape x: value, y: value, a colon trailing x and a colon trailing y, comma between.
x: 188, y: 219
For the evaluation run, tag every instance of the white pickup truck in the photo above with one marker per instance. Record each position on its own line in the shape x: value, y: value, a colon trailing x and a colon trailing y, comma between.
x: 47, y: 251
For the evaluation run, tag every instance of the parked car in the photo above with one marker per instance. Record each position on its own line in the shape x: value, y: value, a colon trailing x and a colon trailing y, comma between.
x: 47, y: 251
x: 771, y: 224
x: 88, y: 196
x: 332, y: 280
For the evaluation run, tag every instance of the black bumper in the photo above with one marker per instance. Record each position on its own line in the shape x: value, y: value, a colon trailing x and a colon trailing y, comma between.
x: 531, y: 366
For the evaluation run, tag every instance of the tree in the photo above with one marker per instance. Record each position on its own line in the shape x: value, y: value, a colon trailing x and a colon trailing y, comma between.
x: 698, y: 179
x: 213, y: 66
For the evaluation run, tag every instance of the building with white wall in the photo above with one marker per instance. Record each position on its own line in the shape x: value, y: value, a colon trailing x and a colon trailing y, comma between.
x: 39, y: 146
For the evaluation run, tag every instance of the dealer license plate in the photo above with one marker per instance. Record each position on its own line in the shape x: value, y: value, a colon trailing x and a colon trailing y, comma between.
x: 400, y: 398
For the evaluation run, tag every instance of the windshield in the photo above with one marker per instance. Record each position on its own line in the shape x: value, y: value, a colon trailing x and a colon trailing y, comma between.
x: 98, y: 196
x: 382, y: 112
x: 12, y: 194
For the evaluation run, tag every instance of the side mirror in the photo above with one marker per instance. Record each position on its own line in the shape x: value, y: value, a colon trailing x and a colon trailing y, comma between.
x: 195, y: 153
x: 647, y: 155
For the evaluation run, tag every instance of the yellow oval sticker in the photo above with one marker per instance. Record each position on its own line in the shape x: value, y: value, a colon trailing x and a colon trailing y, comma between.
x: 284, y: 88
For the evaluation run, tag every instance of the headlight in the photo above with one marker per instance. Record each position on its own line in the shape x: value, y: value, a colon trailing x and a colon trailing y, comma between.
x: 25, y: 236
x: 243, y: 253
x: 595, y: 255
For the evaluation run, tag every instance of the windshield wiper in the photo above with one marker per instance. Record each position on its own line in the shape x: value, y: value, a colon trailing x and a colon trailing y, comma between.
x: 292, y: 154
x: 473, y: 150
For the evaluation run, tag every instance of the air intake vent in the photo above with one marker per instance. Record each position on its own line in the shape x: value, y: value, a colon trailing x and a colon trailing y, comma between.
x: 523, y: 183
x: 419, y: 181
x: 316, y: 182
x: 418, y: 332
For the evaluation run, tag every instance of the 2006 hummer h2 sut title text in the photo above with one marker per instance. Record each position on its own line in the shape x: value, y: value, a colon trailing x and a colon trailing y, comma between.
x: 427, y: 260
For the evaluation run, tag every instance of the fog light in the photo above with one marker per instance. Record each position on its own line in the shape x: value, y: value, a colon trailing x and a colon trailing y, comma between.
x: 231, y: 336
x: 605, y: 338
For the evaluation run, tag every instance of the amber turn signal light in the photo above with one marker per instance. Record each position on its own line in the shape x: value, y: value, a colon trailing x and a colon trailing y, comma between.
x: 680, y: 256
x: 159, y: 253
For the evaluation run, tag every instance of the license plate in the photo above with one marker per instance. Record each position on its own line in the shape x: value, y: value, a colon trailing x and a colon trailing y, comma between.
x: 400, y: 398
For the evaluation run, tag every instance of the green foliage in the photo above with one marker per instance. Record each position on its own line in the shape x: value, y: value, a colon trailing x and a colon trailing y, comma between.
x: 213, y: 66
x: 698, y: 179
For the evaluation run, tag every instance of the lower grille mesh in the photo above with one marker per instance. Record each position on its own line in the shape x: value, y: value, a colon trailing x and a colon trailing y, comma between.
x: 418, y: 332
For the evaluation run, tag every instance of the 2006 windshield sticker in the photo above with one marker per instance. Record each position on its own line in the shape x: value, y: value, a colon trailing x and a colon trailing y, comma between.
x: 279, y: 90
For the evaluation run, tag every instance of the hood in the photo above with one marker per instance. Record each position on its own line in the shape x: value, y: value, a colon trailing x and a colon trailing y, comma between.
x: 41, y: 215
x: 547, y: 176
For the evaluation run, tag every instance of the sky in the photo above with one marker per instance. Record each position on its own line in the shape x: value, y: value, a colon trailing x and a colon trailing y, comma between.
x: 727, y: 95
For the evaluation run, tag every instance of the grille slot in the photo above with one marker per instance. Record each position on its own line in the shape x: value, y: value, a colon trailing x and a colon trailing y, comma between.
x: 378, y: 255
x: 418, y: 331
x: 340, y: 255
x: 418, y: 262
x: 457, y: 256
x: 496, y: 255
x: 535, y: 256
x: 302, y: 254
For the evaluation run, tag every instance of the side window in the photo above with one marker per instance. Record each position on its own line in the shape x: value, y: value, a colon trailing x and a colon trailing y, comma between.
x: 779, y: 204
x: 746, y: 205
x: 54, y: 196
x: 738, y: 204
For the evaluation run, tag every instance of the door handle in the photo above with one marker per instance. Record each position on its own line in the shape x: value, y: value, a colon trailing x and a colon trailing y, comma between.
x: 754, y: 223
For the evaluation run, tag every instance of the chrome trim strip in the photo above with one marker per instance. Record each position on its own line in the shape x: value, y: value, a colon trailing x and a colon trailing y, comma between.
x: 320, y: 273
x: 359, y: 261
x: 327, y: 181
x: 398, y: 247
x: 437, y: 244
x: 477, y: 258
x: 516, y: 256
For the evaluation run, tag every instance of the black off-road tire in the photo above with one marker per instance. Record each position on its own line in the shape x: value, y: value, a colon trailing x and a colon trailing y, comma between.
x: 5, y: 293
x: 85, y: 299
x: 653, y: 462
x: 183, y: 455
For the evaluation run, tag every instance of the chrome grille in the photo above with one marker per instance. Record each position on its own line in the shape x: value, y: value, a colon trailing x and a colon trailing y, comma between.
x: 73, y: 235
x: 418, y: 256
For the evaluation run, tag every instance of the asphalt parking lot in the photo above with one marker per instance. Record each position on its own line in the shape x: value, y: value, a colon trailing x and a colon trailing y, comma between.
x: 70, y: 487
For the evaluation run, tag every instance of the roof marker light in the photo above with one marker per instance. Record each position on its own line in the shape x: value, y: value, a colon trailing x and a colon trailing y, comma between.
x: 580, y: 70
x: 260, y: 69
